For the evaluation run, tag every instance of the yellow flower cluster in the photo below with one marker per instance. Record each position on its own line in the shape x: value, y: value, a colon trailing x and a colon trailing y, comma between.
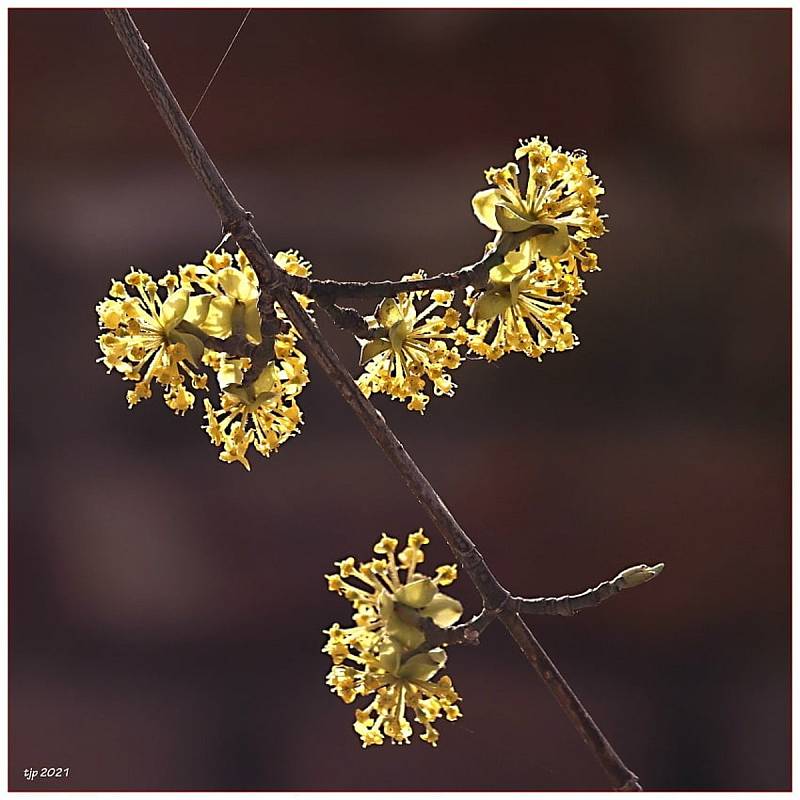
x: 529, y: 295
x: 146, y: 337
x: 561, y: 192
x: 384, y: 653
x: 143, y: 340
x: 523, y: 310
x: 419, y: 346
x: 263, y: 413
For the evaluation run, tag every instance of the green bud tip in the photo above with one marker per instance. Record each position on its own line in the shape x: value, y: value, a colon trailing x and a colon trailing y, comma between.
x: 635, y: 576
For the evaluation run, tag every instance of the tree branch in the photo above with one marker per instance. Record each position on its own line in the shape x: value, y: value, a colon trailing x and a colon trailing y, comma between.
x: 565, y: 606
x: 570, y: 604
x: 476, y: 274
x: 466, y: 633
x: 348, y: 319
x: 239, y: 346
x: 235, y: 345
x: 272, y: 279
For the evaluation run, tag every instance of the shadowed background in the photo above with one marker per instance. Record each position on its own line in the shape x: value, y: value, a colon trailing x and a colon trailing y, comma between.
x: 166, y: 608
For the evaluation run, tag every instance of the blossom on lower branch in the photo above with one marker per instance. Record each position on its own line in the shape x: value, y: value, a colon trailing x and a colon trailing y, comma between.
x: 384, y: 654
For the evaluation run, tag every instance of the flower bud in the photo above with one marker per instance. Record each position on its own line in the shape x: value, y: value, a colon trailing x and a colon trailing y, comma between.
x: 424, y: 666
x: 635, y: 576
x: 417, y: 594
x: 490, y: 304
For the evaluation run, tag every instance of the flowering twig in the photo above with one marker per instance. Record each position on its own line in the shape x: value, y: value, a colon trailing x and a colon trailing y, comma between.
x: 236, y: 346
x: 475, y: 275
x: 274, y: 281
x: 348, y: 319
x: 466, y: 633
x: 328, y: 292
x: 270, y: 327
x: 564, y: 606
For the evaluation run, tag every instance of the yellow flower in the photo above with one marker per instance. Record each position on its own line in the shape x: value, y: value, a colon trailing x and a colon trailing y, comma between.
x: 384, y: 653
x: 146, y: 336
x: 400, y: 689
x: 417, y: 347
x: 523, y: 310
x: 144, y: 342
x: 263, y: 413
x: 229, y: 304
x: 292, y: 262
x: 561, y: 191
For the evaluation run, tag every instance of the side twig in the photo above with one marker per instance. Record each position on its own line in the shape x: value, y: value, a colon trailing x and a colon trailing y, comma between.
x: 348, y: 319
x: 236, y: 346
x: 272, y: 279
x: 570, y: 604
x: 466, y: 633
x: 476, y: 274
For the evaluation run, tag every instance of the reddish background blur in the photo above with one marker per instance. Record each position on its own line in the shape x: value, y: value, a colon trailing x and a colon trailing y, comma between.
x: 167, y: 609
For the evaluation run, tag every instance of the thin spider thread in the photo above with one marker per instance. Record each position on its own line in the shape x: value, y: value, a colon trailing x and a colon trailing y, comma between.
x: 222, y: 61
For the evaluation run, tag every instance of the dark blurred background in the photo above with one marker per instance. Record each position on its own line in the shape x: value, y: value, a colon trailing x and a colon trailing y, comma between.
x: 167, y: 609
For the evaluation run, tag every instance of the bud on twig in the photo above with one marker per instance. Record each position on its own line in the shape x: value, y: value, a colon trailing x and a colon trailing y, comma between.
x: 635, y: 576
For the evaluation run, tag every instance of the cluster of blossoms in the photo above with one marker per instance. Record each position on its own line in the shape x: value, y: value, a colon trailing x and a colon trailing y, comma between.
x: 384, y: 654
x: 529, y: 295
x: 419, y: 345
x: 171, y: 339
x: 166, y: 331
x: 174, y: 331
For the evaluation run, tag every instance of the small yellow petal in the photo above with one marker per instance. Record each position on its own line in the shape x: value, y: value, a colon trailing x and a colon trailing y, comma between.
x: 484, y: 204
x: 174, y: 308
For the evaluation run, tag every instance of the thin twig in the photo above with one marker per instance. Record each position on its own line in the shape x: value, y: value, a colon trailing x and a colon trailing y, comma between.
x: 239, y: 346
x: 570, y: 604
x: 466, y: 633
x: 348, y: 319
x: 272, y: 279
x: 566, y: 606
x: 476, y: 274
x: 236, y: 346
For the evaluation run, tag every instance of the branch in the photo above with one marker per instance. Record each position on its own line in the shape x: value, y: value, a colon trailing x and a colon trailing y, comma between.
x: 565, y: 606
x: 348, y: 319
x: 271, y: 326
x: 236, y: 345
x: 466, y: 633
x: 476, y: 274
x: 272, y: 279
x: 570, y: 604
x: 239, y: 346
